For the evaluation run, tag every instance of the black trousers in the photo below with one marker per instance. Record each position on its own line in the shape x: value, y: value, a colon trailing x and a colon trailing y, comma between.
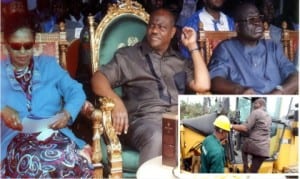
x: 255, y: 164
x: 145, y: 135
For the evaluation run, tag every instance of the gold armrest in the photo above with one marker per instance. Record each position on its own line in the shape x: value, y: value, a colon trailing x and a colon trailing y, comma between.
x: 114, y: 149
x: 97, y: 154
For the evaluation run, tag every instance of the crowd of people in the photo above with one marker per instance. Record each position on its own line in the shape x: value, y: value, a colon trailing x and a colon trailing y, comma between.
x: 216, y: 15
x: 152, y: 73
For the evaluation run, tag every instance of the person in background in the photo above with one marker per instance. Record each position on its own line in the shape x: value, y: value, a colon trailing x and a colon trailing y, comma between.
x: 84, y: 71
x: 75, y: 12
x: 212, y: 18
x: 258, y: 128
x: 59, y: 9
x: 267, y: 8
x: 12, y: 7
x: 39, y: 101
x: 294, y: 14
x: 42, y: 17
x: 249, y: 64
x: 289, y: 12
x: 151, y: 75
x: 151, y: 5
x: 212, y: 150
x: 188, y: 7
x: 74, y: 20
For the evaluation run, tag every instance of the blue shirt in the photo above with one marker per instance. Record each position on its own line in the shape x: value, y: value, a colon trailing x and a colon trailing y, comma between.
x: 225, y: 23
x: 275, y: 33
x: 261, y: 67
x: 50, y: 84
x: 188, y: 8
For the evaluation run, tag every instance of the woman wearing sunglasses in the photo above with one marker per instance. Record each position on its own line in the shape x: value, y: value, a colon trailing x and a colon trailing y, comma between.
x: 39, y: 100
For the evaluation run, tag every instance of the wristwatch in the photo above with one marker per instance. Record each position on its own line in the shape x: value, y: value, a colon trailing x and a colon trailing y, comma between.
x: 280, y: 88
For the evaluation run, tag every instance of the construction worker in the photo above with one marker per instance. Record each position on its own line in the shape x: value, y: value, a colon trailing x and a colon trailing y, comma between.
x: 212, y: 151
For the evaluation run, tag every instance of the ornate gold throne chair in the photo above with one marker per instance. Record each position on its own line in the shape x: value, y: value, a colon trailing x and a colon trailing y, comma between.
x: 124, y: 25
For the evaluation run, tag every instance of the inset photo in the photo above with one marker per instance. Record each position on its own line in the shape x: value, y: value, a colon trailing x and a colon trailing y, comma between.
x: 221, y: 134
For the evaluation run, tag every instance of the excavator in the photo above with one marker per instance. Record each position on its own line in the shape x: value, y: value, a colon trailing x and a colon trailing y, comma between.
x: 284, y: 134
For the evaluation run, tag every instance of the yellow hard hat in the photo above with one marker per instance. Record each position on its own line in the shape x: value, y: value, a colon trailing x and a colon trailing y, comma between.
x: 222, y: 122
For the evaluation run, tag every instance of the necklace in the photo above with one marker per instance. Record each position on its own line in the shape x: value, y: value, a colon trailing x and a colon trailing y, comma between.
x: 24, y: 73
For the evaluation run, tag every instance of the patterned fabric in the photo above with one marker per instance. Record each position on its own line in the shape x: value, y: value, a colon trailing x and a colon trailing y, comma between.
x: 24, y: 76
x: 50, y: 83
x: 55, y: 157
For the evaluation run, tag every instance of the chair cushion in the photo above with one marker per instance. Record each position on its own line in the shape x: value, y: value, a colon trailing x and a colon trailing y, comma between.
x: 125, y: 30
x: 131, y: 159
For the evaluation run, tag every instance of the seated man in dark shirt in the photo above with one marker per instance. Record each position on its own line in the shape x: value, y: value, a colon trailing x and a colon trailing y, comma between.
x: 152, y: 75
x: 248, y: 64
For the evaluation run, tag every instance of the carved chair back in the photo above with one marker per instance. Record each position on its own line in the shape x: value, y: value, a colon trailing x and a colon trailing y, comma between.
x: 124, y: 25
x: 290, y: 42
x: 52, y: 44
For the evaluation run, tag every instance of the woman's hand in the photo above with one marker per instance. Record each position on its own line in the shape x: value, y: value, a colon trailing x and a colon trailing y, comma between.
x: 11, y: 119
x: 63, y: 119
x: 87, y: 109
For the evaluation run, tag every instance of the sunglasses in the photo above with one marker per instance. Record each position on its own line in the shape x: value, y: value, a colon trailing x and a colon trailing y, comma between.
x: 18, y: 46
x: 253, y: 20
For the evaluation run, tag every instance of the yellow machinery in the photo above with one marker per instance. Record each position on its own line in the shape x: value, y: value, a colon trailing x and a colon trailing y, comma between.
x: 193, y: 132
x: 283, y: 149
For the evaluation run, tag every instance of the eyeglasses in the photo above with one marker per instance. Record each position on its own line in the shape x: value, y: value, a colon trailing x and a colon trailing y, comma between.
x: 18, y: 46
x: 253, y: 20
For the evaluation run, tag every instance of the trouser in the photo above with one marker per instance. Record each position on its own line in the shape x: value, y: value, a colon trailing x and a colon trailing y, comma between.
x: 145, y: 135
x: 255, y: 164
